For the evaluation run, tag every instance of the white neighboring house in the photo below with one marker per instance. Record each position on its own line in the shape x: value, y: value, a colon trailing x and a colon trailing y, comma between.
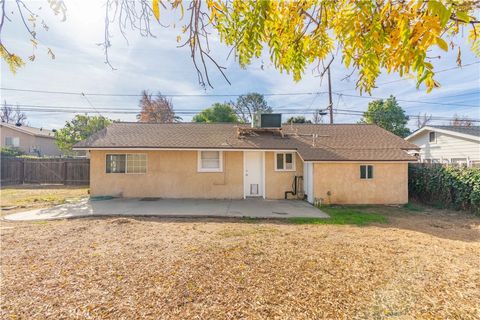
x: 448, y: 144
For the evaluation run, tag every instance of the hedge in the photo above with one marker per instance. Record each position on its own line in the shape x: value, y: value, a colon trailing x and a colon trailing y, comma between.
x: 446, y: 186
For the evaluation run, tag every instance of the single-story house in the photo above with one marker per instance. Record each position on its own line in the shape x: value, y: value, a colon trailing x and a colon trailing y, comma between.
x: 448, y: 144
x: 34, y: 141
x: 341, y: 163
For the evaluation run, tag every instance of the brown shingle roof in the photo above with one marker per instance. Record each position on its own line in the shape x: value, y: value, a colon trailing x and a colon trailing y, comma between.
x: 39, y: 132
x: 338, y: 142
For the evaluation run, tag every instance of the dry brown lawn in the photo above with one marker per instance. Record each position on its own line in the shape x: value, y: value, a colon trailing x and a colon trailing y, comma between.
x: 28, y: 197
x: 417, y: 266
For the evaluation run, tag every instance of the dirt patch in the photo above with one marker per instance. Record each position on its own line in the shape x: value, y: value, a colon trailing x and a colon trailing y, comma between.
x: 442, y: 223
x: 118, y: 268
x: 28, y: 197
x: 121, y: 221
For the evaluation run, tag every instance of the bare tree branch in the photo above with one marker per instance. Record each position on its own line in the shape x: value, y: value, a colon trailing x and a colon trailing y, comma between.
x: 136, y: 15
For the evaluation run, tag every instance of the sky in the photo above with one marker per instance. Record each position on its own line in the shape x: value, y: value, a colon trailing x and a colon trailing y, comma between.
x: 157, y: 65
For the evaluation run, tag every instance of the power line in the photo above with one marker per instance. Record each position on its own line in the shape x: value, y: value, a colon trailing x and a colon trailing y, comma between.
x: 316, y: 93
x: 88, y: 101
x: 409, y: 101
x: 59, y: 109
x: 404, y: 79
x: 166, y: 95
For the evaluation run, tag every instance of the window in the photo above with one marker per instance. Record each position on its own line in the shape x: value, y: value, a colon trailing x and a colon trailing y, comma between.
x: 285, y: 161
x: 12, y: 141
x: 210, y: 161
x: 366, y: 172
x: 432, y: 137
x: 116, y: 163
x: 126, y: 163
x: 136, y: 163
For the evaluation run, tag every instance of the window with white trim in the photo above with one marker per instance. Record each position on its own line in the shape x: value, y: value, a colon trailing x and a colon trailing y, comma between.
x: 366, y: 172
x: 126, y: 163
x: 12, y: 141
x: 136, y: 163
x: 432, y: 137
x: 210, y: 161
x: 284, y: 161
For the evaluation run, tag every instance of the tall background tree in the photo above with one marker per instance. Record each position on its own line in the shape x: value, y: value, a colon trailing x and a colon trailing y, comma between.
x: 318, y: 116
x: 247, y: 105
x: 79, y: 128
x: 387, y: 114
x: 459, y: 121
x: 10, y: 115
x: 158, y: 109
x: 218, y: 112
x: 371, y: 36
x: 298, y: 119
x: 423, y: 120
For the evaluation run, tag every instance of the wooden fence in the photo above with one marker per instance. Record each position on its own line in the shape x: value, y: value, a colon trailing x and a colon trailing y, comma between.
x: 46, y: 171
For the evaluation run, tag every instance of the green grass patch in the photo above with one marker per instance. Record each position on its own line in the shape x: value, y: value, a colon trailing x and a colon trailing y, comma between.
x: 342, y: 215
x: 250, y: 219
x: 413, y: 207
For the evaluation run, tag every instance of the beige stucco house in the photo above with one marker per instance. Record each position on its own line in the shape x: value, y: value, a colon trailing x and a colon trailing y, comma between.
x: 30, y: 140
x: 448, y: 144
x: 344, y: 163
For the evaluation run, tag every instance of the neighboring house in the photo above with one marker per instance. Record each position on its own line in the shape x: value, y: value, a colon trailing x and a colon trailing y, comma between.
x: 345, y: 163
x: 34, y: 141
x: 448, y: 144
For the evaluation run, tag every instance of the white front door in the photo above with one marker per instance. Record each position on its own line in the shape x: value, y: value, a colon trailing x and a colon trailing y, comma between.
x: 253, y: 174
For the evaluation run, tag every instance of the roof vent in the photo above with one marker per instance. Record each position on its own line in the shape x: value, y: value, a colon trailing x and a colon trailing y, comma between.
x: 18, y: 124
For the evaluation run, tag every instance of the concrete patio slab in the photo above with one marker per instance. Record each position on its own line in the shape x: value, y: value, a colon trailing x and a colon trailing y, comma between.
x: 252, y: 208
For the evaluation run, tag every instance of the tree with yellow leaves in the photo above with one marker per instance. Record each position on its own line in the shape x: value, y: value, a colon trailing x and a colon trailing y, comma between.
x: 370, y: 35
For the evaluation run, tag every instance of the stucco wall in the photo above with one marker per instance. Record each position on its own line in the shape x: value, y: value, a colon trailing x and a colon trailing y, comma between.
x: 170, y: 174
x: 388, y: 186
x: 47, y: 146
x: 277, y: 182
x: 173, y: 174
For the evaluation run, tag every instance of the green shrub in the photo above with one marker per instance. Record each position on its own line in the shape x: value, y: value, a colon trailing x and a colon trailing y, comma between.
x: 446, y: 186
x: 10, y: 152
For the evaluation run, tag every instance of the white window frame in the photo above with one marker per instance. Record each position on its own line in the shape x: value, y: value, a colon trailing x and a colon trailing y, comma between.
x: 126, y: 163
x: 366, y: 172
x: 434, y: 136
x: 294, y: 161
x: 199, y: 161
x: 15, y: 142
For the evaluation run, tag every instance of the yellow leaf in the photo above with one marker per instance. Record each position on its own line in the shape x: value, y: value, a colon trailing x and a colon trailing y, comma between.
x: 442, y: 44
x: 463, y: 16
x: 156, y: 9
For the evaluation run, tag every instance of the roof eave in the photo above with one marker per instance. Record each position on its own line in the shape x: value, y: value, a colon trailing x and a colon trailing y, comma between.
x: 450, y: 132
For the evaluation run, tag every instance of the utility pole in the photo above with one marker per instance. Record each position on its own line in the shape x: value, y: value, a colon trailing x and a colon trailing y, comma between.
x: 330, y: 105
